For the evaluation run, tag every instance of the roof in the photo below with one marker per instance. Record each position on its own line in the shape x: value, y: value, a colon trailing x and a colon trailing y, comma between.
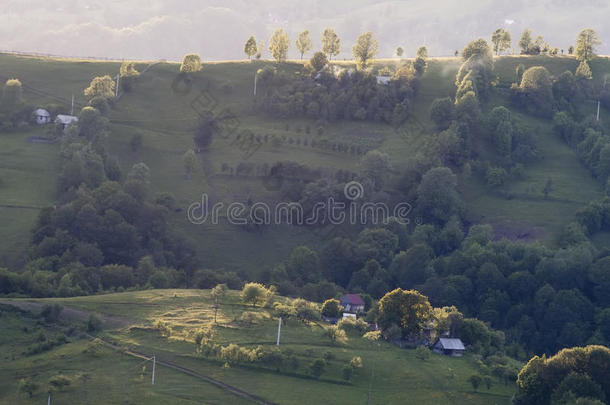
x: 352, y: 299
x: 41, y: 112
x: 383, y: 79
x: 66, y: 119
x: 451, y: 344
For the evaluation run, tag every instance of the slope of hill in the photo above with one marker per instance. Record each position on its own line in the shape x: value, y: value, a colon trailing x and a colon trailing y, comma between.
x: 164, y: 112
x: 388, y: 375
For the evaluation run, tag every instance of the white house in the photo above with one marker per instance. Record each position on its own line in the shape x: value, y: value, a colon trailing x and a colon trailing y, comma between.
x: 42, y: 116
x: 383, y: 79
x: 66, y: 120
x: 352, y: 303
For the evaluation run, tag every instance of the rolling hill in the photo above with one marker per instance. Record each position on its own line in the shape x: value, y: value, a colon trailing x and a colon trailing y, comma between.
x: 112, y: 372
x: 165, y: 114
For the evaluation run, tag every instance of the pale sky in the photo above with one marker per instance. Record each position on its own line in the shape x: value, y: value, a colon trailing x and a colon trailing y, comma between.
x: 217, y: 30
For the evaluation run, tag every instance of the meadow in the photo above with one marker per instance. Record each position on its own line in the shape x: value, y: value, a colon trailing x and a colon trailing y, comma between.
x: 389, y: 375
x: 164, y: 113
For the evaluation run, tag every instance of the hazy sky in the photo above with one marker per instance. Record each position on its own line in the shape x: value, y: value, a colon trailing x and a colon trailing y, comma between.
x: 155, y: 29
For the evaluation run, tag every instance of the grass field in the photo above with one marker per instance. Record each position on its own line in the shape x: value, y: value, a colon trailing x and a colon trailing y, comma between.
x: 390, y: 375
x: 165, y: 113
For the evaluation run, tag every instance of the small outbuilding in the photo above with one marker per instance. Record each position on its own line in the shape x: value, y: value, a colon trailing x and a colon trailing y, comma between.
x: 352, y: 303
x: 66, y: 120
x: 383, y: 79
x: 42, y: 116
x: 449, y: 347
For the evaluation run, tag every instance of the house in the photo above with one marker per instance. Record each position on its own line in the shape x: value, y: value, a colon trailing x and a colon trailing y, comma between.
x: 383, y: 79
x: 66, y: 120
x: 42, y: 116
x: 352, y: 303
x: 449, y: 347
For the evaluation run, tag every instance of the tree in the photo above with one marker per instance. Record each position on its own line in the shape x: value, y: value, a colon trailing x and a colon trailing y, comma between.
x: 318, y: 61
x: 303, y: 265
x: 501, y: 40
x: 582, y: 370
x: 208, y: 127
x: 27, y: 386
x: 399, y: 52
x: 537, y: 88
x: 12, y: 96
x: 408, y: 309
x: 584, y: 71
x: 547, y: 188
x: 437, y: 197
x: 253, y: 293
x: 475, y: 380
x: 91, y: 123
x: 422, y: 52
x: 331, y: 45
x: 586, y: 42
x: 365, y: 49
x: 355, y: 362
x: 218, y: 293
x: 337, y: 336
x: 128, y: 74
x: 442, y: 112
x: 250, y: 47
x: 303, y: 43
x: 422, y: 353
x: 375, y: 165
x: 331, y: 308
x: 190, y: 63
x: 570, y: 50
x: 317, y: 368
x: 347, y: 372
x: 278, y: 45
x: 525, y: 42
x: 101, y: 86
x: 190, y: 160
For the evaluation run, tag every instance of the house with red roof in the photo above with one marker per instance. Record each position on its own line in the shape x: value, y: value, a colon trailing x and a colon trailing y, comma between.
x: 352, y: 303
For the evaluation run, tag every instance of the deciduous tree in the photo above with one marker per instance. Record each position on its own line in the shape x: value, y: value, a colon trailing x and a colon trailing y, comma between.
x: 190, y: 63
x: 331, y: 44
x: 250, y: 47
x: 278, y: 45
x: 585, y: 45
x: 303, y: 43
x: 365, y: 49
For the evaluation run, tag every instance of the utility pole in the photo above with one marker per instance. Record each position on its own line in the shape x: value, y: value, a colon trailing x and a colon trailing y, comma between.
x: 116, y: 90
x: 598, y: 100
x: 153, y: 372
x: 279, y: 328
x: 255, y: 77
x: 72, y: 109
x: 49, y: 400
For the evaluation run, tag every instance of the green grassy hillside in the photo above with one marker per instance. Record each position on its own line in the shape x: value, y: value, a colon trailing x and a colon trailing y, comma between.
x: 390, y: 375
x: 165, y: 116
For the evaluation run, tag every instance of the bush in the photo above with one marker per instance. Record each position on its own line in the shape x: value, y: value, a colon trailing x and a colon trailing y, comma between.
x: 250, y: 318
x: 317, y: 368
x: 422, y: 353
x: 163, y: 327
x: 355, y: 362
x: 51, y: 312
x: 350, y: 325
x: 59, y: 381
x: 94, y: 324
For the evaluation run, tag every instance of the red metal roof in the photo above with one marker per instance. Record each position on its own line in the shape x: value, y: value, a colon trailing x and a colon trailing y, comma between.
x: 352, y: 299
